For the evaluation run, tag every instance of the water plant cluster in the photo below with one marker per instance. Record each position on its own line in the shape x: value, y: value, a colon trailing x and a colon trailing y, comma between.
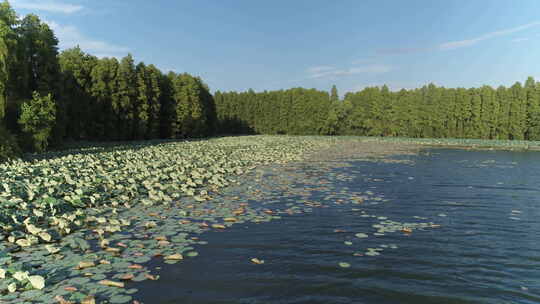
x: 79, y: 226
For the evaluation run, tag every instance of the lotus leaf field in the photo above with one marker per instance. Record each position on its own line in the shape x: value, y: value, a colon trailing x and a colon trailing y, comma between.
x: 78, y: 226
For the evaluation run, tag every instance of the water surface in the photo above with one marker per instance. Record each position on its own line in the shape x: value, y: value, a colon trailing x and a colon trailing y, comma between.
x: 486, y: 249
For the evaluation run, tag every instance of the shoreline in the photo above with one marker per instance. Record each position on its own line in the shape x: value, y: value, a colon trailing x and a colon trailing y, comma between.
x: 459, y: 143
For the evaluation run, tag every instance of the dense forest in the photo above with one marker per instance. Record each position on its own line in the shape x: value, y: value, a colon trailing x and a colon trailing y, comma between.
x: 430, y: 111
x: 48, y: 97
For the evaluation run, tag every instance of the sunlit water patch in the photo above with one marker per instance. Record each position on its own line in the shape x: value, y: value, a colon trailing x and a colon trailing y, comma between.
x: 447, y: 226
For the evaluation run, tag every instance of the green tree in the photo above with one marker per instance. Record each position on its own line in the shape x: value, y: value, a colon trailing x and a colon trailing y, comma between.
x: 76, y: 68
x: 334, y: 96
x: 533, y: 109
x: 4, y: 69
x: 40, y: 62
x: 142, y: 105
x: 104, y: 111
x: 154, y: 101
x: 9, y: 21
x: 9, y: 148
x: 37, y: 120
x: 125, y: 98
x: 518, y: 113
x: 331, y: 125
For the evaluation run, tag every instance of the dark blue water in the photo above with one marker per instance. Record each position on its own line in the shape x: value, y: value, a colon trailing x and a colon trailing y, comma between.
x: 487, y: 249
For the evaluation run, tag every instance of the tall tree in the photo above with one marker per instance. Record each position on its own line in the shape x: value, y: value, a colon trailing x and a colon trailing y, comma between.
x: 105, y: 108
x: 154, y: 101
x: 533, y: 109
x: 518, y: 114
x: 40, y: 51
x: 142, y: 105
x: 334, y: 96
x: 125, y: 96
x: 4, y: 69
x: 76, y: 68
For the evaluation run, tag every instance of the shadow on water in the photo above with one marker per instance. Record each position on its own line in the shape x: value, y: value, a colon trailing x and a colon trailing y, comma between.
x: 486, y: 250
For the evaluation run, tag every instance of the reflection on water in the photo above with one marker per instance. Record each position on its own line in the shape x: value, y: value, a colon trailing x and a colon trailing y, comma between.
x: 486, y: 249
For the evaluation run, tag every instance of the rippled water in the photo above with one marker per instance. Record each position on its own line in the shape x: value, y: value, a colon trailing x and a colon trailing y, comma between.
x: 487, y: 249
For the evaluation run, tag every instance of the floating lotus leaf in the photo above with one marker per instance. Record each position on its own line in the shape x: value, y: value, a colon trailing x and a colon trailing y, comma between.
x: 111, y: 283
x: 23, y: 243
x: 20, y: 275
x: 140, y: 260
x: 45, y: 236
x: 79, y: 280
x: 33, y: 229
x: 38, y: 282
x: 85, y: 264
x: 89, y: 300
x: 176, y: 256
x: 120, y: 299
x: 127, y: 277
x: 139, y: 278
x: 12, y: 287
x: 150, y: 225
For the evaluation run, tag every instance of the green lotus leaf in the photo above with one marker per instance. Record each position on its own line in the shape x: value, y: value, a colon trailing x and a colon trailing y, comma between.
x: 38, y: 282
x: 45, y: 236
x: 23, y: 243
x: 12, y: 287
x: 20, y: 275
x: 120, y: 299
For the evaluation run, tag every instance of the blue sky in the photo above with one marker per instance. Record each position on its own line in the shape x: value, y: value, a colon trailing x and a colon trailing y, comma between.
x: 241, y: 44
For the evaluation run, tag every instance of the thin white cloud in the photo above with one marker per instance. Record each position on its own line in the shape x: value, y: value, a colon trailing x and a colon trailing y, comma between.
x: 451, y: 45
x: 328, y: 71
x: 463, y: 43
x: 69, y: 36
x: 319, y: 69
x: 520, y: 39
x: 47, y: 6
x: 369, y: 59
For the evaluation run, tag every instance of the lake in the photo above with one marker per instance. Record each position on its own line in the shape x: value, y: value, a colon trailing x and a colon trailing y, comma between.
x: 443, y: 226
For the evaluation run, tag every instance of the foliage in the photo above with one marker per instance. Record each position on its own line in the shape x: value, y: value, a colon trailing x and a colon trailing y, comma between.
x: 427, y: 112
x: 37, y: 120
x: 296, y: 111
x: 9, y: 148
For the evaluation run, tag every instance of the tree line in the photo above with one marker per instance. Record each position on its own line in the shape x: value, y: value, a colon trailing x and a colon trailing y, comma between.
x: 431, y: 111
x: 49, y: 97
